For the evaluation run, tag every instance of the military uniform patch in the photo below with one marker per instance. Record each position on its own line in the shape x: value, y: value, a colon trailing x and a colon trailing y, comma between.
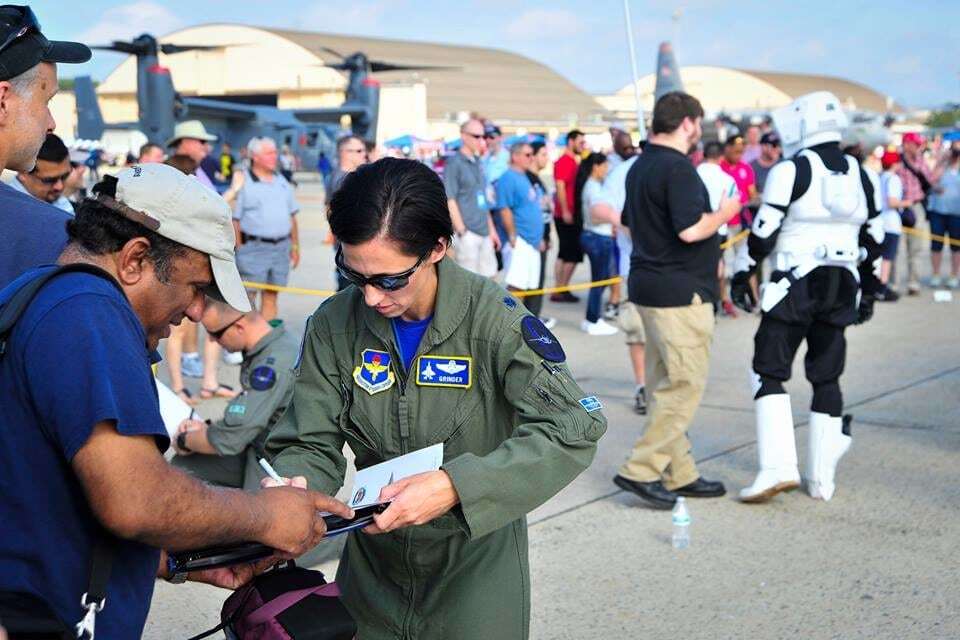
x: 539, y: 338
x: 445, y: 371
x: 263, y: 378
x: 237, y: 408
x: 510, y: 301
x: 590, y: 404
x: 374, y: 374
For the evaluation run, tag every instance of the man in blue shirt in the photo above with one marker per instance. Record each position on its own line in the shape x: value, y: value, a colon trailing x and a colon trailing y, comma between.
x: 85, y: 459
x: 33, y: 231
x: 520, y: 209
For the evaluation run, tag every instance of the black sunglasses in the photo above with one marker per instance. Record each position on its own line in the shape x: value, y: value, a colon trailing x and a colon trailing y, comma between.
x: 216, y: 335
x: 51, y: 180
x: 19, y: 21
x: 385, y: 282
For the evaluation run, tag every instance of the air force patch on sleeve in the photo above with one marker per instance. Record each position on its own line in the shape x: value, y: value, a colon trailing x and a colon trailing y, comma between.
x: 539, y: 338
x: 445, y: 371
x: 263, y: 378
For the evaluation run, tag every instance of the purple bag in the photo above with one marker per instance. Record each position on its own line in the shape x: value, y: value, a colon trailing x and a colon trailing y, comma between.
x: 287, y: 603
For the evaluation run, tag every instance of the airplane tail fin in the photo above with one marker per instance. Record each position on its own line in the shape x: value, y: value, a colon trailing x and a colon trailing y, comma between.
x: 668, y: 72
x: 89, y: 119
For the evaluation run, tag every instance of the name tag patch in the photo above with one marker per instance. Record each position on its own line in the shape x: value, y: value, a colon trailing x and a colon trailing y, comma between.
x: 374, y: 375
x: 590, y: 404
x: 445, y: 371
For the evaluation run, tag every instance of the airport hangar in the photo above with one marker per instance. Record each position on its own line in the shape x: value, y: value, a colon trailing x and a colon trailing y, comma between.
x: 287, y: 69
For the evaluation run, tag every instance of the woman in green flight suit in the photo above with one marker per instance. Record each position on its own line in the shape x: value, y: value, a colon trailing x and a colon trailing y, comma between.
x: 418, y: 352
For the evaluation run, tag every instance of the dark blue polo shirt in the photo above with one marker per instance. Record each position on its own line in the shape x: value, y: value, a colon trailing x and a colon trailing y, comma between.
x: 33, y: 233
x: 77, y: 357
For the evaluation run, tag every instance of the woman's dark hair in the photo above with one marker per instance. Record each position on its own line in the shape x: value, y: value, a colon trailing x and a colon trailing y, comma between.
x: 671, y: 110
x: 583, y: 174
x: 401, y: 200
x: 98, y: 230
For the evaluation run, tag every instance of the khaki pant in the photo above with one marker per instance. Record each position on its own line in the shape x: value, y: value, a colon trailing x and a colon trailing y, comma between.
x: 915, y: 247
x: 677, y: 361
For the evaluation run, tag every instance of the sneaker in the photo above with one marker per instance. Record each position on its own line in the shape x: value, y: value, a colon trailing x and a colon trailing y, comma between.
x: 548, y: 322
x: 598, y: 328
x: 191, y: 365
x: 913, y: 289
x: 888, y: 295
x: 640, y: 401
x: 936, y: 282
x: 953, y: 283
x: 232, y: 357
x: 729, y: 310
x: 611, y: 311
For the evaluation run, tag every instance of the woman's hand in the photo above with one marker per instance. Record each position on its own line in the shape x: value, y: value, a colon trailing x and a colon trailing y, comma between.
x: 414, y: 501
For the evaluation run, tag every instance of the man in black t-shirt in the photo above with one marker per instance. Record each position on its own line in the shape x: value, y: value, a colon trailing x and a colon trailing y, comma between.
x: 673, y: 280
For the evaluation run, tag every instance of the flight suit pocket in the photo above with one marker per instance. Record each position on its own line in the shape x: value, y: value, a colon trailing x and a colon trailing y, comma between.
x: 557, y: 399
x: 355, y: 426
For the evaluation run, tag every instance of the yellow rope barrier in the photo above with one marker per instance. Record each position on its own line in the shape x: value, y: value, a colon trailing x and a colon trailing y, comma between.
x: 931, y: 236
x: 324, y: 293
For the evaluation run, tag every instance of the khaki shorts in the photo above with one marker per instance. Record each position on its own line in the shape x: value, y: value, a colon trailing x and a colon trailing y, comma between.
x: 631, y: 323
x: 475, y: 253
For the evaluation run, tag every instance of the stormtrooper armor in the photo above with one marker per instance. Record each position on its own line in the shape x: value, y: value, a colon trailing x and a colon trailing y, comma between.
x: 819, y: 224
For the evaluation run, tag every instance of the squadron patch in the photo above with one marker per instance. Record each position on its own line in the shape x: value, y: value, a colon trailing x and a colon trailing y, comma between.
x: 374, y: 374
x: 445, y: 371
x: 263, y: 378
x: 539, y: 338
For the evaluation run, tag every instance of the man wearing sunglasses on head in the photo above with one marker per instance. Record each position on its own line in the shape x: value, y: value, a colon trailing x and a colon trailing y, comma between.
x: 48, y: 178
x: 33, y: 231
x: 225, y: 452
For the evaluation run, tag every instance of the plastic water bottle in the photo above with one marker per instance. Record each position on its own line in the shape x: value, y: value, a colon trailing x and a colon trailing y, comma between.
x: 681, y: 525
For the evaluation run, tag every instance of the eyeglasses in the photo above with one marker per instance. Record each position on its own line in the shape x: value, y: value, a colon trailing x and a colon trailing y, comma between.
x: 385, y: 282
x: 20, y: 21
x: 51, y: 180
x: 216, y: 335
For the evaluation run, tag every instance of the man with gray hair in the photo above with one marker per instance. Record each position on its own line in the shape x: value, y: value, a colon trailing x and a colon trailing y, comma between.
x: 265, y: 223
x: 520, y: 208
x: 33, y: 231
x: 476, y: 240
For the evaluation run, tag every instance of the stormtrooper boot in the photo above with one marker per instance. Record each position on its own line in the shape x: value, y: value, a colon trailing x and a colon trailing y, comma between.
x: 829, y: 440
x: 776, y: 449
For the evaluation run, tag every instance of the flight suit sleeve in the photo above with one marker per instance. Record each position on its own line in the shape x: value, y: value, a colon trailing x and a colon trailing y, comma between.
x: 249, y: 414
x: 307, y: 439
x: 554, y: 442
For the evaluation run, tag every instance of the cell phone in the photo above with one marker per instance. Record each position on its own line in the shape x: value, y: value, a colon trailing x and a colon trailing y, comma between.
x: 246, y: 552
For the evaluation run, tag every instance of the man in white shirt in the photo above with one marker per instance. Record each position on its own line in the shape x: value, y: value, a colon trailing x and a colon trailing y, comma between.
x: 719, y: 183
x: 615, y: 187
x: 891, y: 191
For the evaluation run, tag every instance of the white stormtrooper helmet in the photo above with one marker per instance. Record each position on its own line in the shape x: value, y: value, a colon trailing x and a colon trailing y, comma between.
x: 809, y: 120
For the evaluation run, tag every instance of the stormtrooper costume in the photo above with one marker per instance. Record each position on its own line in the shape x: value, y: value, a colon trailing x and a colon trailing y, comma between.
x: 819, y: 224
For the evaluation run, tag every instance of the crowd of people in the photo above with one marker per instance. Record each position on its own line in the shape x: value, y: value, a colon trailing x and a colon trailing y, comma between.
x: 171, y: 242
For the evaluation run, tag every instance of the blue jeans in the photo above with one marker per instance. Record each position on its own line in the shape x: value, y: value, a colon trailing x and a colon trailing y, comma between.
x: 600, y: 251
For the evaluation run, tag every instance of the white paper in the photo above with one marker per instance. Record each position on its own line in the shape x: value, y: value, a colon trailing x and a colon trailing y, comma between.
x: 368, y: 482
x: 173, y: 409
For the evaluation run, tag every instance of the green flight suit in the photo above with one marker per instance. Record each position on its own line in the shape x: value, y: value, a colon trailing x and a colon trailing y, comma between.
x: 513, y: 437
x: 266, y: 376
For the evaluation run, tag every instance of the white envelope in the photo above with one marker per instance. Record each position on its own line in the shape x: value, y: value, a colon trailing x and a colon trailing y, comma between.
x: 368, y: 482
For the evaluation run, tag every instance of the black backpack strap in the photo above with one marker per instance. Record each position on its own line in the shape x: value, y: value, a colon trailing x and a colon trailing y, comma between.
x: 19, y: 301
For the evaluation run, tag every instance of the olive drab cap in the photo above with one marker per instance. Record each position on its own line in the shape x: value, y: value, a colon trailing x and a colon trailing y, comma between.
x: 178, y: 207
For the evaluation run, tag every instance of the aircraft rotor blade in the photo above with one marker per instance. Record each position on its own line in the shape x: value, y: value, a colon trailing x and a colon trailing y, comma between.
x: 376, y: 65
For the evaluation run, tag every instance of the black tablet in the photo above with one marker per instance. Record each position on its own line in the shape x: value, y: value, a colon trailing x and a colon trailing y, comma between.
x: 246, y: 552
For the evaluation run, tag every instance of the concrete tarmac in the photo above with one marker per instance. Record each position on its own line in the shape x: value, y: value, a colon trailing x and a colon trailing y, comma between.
x: 880, y: 560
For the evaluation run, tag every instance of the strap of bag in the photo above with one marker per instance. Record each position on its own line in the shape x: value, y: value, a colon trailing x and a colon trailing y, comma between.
x: 283, y: 602
x: 11, y: 311
x: 101, y: 562
x: 924, y: 183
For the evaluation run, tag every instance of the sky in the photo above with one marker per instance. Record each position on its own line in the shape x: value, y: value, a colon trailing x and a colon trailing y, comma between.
x: 907, y: 50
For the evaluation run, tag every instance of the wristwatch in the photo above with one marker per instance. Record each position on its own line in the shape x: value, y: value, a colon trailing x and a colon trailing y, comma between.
x: 182, y: 442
